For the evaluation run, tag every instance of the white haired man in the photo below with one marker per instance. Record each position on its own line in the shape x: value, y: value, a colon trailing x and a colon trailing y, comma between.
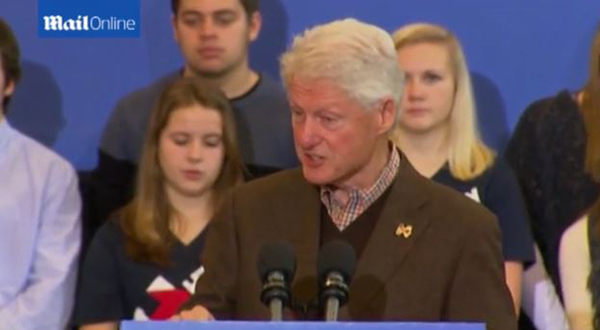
x: 444, y: 264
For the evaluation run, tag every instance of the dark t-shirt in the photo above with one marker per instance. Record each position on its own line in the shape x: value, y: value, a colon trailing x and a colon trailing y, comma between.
x: 547, y: 152
x: 498, y: 190
x: 262, y: 118
x: 113, y: 287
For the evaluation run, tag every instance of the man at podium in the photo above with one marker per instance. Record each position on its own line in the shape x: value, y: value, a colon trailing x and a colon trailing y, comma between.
x: 424, y: 252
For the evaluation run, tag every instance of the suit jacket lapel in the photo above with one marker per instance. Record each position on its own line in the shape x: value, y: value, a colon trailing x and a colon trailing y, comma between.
x: 385, y: 250
x: 303, y: 213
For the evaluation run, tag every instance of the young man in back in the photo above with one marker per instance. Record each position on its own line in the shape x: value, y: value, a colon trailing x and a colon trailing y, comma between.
x: 213, y: 36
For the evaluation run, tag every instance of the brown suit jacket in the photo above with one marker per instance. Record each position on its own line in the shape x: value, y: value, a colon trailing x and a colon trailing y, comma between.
x: 449, y: 269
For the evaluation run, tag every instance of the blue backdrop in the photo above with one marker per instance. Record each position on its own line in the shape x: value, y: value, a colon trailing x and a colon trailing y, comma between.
x: 517, y: 50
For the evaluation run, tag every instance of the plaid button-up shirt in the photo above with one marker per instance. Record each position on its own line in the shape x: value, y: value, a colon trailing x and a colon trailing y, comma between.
x: 359, y: 200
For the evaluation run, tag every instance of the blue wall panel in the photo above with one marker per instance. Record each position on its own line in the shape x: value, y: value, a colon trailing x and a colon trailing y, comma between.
x: 517, y: 50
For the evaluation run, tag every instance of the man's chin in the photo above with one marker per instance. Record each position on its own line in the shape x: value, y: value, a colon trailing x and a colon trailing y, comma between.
x: 210, y: 71
x: 316, y: 177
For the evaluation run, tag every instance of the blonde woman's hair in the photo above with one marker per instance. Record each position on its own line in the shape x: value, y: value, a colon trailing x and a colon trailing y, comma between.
x: 468, y: 156
x: 145, y: 221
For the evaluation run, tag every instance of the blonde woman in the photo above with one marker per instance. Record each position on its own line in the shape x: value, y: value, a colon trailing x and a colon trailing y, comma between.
x: 143, y: 264
x: 437, y: 131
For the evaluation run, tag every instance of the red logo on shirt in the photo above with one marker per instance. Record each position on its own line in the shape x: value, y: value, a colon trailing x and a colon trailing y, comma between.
x: 168, y: 303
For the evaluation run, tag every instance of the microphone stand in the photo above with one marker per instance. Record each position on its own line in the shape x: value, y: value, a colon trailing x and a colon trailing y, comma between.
x: 275, y: 293
x: 336, y: 292
x: 331, y: 310
x: 276, y: 307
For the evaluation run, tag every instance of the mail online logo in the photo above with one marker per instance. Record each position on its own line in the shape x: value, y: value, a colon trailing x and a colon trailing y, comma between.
x: 89, y: 18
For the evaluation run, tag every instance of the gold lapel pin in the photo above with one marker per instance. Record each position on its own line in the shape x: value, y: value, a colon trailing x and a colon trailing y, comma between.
x: 404, y: 230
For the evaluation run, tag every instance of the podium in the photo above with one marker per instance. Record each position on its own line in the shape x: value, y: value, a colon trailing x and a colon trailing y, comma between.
x: 239, y: 325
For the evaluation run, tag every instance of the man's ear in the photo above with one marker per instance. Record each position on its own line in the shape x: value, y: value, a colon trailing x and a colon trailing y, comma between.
x: 254, y: 24
x: 386, y: 115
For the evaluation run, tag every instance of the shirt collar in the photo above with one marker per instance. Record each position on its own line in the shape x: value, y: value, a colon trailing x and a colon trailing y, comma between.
x: 370, y: 194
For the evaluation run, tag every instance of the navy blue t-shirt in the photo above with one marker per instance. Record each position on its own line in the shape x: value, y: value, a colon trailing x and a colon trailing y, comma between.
x: 113, y: 287
x: 498, y: 190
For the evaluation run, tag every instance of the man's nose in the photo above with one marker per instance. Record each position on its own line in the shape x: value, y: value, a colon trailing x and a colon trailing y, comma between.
x: 207, y: 28
x: 307, y: 133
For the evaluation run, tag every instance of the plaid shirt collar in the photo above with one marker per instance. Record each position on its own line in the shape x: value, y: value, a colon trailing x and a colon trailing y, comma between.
x: 360, y: 199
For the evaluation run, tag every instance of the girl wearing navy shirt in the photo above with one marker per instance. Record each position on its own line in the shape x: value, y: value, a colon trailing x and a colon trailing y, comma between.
x: 437, y: 131
x: 143, y: 263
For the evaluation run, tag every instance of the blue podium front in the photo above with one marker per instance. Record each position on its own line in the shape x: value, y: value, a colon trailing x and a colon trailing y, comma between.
x: 237, y: 325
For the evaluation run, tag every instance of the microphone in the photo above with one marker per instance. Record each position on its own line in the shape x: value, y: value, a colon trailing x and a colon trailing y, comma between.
x: 276, y: 267
x: 335, y: 268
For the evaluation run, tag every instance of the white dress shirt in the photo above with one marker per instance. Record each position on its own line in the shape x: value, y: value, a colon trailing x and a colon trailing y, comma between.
x: 40, y: 234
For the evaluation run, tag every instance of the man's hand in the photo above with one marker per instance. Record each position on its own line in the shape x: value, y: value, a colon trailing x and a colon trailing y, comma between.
x: 198, y: 313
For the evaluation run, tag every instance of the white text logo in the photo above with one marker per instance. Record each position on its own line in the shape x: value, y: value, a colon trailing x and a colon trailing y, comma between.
x: 86, y: 23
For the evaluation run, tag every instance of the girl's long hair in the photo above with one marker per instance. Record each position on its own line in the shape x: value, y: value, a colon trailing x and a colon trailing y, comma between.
x: 145, y: 221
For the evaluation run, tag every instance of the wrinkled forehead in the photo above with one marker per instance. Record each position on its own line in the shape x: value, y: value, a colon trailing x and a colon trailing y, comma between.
x: 316, y: 95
